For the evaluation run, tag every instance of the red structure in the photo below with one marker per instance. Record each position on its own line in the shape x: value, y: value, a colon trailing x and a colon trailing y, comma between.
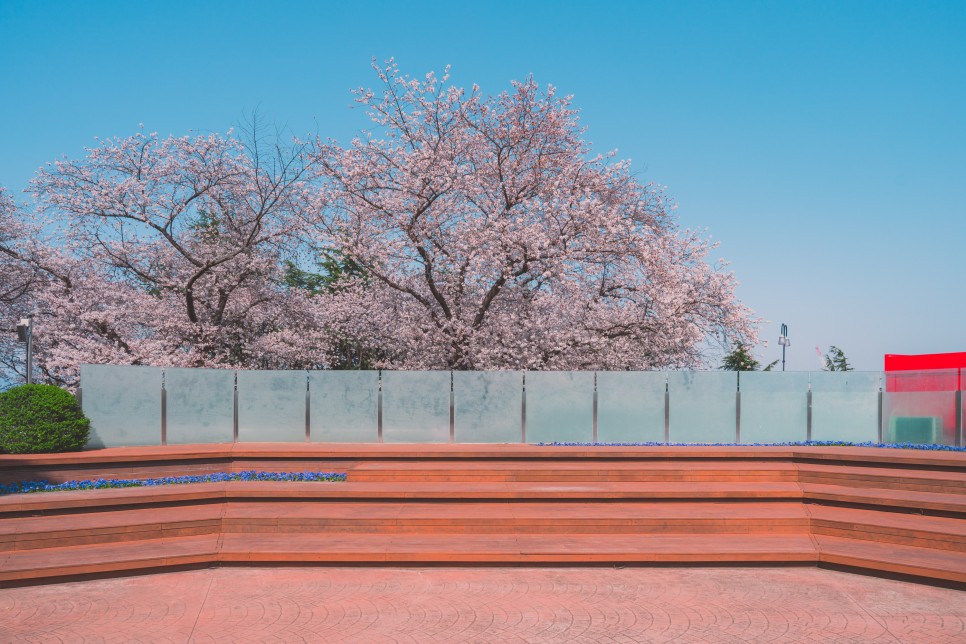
x: 925, y: 372
x: 924, y: 399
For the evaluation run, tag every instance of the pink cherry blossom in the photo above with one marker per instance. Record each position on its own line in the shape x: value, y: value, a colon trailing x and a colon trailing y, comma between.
x: 483, y: 231
x: 494, y: 239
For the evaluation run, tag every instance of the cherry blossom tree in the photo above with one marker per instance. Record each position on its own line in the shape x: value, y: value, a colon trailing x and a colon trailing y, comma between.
x: 462, y: 231
x: 17, y: 279
x: 168, y: 252
x: 491, y: 237
x: 15, y: 236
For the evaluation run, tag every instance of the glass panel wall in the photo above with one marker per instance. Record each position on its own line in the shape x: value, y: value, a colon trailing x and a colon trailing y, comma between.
x: 344, y: 406
x: 845, y: 405
x: 123, y: 404
x: 630, y: 406
x: 488, y: 406
x: 924, y: 380
x: 200, y: 405
x: 560, y: 406
x: 271, y: 406
x: 702, y: 406
x: 415, y: 406
x: 919, y: 417
x: 774, y: 406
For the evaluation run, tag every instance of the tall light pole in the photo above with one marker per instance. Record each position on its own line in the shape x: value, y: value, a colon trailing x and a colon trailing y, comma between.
x: 25, y: 332
x: 785, y: 342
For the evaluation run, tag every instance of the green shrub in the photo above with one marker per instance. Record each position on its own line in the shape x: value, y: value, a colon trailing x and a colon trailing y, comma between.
x: 39, y: 419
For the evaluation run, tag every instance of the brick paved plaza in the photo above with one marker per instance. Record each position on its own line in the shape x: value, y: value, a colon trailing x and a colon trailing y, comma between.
x: 486, y: 605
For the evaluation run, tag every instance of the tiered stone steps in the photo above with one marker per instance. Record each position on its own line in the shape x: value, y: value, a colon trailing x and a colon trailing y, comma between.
x: 894, y: 511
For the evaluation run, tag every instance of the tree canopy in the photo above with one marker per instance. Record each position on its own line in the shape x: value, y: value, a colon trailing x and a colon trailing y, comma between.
x: 462, y: 231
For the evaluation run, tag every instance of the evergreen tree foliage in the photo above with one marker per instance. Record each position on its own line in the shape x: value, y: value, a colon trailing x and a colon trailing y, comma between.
x: 835, y: 360
x: 740, y: 359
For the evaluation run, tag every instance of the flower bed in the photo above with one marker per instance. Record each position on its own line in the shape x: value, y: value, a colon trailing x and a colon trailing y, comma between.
x: 936, y: 448
x: 252, y: 475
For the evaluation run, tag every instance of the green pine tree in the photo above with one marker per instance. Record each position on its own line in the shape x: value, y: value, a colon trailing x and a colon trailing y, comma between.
x: 740, y: 359
x: 835, y: 360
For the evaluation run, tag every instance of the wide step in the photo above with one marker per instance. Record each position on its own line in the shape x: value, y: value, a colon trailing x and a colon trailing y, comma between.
x: 905, y: 560
x: 517, y: 518
x: 381, y: 548
x: 588, y: 471
x: 54, y: 531
x: 942, y: 482
x: 889, y: 527
x: 517, y: 549
x: 119, y: 498
x: 300, y: 517
x: 66, y: 562
x: 887, y: 499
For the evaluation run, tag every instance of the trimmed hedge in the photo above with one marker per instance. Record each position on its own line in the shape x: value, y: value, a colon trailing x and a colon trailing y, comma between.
x: 41, y: 419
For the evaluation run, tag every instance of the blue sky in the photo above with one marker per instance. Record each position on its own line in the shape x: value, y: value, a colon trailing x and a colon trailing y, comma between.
x: 823, y: 144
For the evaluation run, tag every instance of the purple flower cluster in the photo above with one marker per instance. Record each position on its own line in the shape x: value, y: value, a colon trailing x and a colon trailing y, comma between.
x: 251, y: 475
x: 935, y: 448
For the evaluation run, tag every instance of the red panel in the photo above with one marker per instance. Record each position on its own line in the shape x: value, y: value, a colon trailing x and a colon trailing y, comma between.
x: 895, y: 362
x: 925, y: 372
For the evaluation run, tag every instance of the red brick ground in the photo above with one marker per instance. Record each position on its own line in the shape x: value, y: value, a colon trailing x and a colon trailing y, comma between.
x: 486, y: 605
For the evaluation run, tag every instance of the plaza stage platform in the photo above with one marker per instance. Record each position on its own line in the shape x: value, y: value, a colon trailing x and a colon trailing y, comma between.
x: 883, y: 511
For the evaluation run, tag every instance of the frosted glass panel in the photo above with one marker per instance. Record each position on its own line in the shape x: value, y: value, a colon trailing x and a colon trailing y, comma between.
x: 488, y: 406
x: 123, y: 403
x: 774, y: 406
x: 344, y: 406
x: 630, y: 406
x: 925, y: 380
x: 271, y: 406
x: 415, y: 406
x: 845, y: 405
x: 919, y: 417
x: 560, y: 406
x: 702, y: 406
x: 200, y: 405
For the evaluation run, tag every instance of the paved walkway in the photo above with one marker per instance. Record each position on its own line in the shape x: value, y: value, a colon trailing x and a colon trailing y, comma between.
x: 486, y: 605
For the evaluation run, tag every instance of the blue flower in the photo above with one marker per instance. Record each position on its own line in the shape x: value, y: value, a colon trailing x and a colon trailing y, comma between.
x: 934, y: 448
x: 218, y: 477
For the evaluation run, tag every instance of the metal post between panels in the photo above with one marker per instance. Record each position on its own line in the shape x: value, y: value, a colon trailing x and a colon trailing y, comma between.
x: 164, y: 411
x: 452, y: 410
x: 738, y: 416
x: 234, y: 411
x: 523, y: 410
x: 308, y: 406
x: 881, y: 419
x: 959, y: 418
x: 738, y: 407
x: 667, y: 414
x: 379, y: 409
x: 595, y: 407
x: 808, y: 415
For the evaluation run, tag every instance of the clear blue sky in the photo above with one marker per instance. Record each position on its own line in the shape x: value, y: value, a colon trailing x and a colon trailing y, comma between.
x: 822, y: 143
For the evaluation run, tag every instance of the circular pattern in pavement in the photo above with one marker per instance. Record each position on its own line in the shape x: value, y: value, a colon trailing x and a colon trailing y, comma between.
x: 486, y: 605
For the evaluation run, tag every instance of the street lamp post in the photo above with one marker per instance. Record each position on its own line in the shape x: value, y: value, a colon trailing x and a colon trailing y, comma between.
x: 784, y: 341
x: 25, y: 332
